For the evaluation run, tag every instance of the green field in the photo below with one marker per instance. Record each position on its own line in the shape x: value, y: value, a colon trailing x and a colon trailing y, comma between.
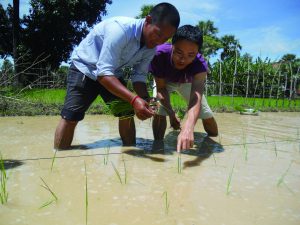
x: 50, y: 101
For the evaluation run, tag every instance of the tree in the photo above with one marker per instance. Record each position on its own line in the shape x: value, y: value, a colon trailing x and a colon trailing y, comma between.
x: 53, y: 28
x: 5, y: 33
x: 231, y: 46
x: 16, y: 38
x: 208, y: 28
x: 145, y: 10
x: 288, y: 58
x: 211, y: 44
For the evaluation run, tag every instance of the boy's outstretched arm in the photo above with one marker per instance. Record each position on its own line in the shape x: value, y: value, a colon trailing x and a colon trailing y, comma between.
x: 185, y: 138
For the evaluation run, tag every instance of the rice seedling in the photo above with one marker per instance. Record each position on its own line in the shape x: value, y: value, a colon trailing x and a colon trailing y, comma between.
x: 245, y: 147
x: 220, y: 138
x: 180, y: 114
x: 179, y: 166
x: 245, y: 152
x: 125, y: 170
x: 265, y: 138
x: 47, y: 203
x: 281, y: 179
x: 3, y: 188
x: 213, y: 154
x: 120, y: 106
x: 229, y: 181
x: 166, y: 201
x: 117, y: 172
x: 53, y: 159
x: 54, y: 197
x: 275, y: 148
x: 105, y: 159
x: 86, y: 195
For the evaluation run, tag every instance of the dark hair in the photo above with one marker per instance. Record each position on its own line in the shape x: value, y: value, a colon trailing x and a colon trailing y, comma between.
x: 165, y: 13
x: 190, y: 33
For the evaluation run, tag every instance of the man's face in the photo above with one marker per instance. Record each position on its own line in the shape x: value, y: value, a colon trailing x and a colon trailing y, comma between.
x: 183, y: 53
x: 156, y: 34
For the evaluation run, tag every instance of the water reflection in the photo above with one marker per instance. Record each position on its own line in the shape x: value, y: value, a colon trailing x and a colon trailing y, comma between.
x: 204, y: 147
x: 11, y: 163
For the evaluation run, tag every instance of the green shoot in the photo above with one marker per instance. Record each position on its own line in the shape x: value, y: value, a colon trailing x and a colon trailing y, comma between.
x: 120, y: 106
x: 45, y: 185
x: 245, y: 152
x: 117, y: 172
x: 86, y: 196
x: 229, y: 181
x: 3, y: 190
x: 281, y: 179
x: 179, y: 166
x: 181, y: 114
x: 105, y: 159
x: 213, y: 154
x: 265, y: 138
x: 125, y: 171
x: 54, y: 197
x: 245, y: 147
x: 53, y: 159
x: 47, y: 203
x: 275, y: 149
x: 167, y: 202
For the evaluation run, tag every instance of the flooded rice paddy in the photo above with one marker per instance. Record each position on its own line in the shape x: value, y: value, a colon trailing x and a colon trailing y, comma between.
x: 249, y: 174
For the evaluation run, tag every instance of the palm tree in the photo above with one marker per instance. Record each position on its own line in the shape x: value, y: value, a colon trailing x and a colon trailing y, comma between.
x: 208, y: 28
x: 231, y: 46
x: 211, y: 44
x: 144, y: 11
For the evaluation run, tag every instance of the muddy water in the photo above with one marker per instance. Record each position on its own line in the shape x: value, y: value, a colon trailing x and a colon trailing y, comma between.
x: 261, y: 153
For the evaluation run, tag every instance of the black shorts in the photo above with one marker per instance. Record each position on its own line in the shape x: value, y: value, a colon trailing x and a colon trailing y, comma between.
x: 81, y: 92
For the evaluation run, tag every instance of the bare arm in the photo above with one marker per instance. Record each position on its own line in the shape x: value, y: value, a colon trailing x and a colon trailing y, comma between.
x: 141, y: 89
x: 186, y: 136
x: 163, y: 95
x: 112, y: 84
x: 164, y: 98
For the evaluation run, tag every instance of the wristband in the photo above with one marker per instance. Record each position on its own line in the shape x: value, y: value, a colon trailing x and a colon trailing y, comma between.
x: 133, y: 100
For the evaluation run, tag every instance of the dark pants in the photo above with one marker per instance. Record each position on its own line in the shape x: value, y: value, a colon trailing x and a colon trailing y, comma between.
x: 81, y: 92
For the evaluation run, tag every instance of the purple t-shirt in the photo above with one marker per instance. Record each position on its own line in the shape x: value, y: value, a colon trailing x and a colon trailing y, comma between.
x: 161, y: 66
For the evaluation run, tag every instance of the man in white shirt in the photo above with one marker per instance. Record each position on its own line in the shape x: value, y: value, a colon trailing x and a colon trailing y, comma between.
x: 97, y: 64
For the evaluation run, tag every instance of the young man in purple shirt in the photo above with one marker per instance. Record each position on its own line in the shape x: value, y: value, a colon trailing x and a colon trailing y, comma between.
x: 97, y: 65
x: 179, y: 67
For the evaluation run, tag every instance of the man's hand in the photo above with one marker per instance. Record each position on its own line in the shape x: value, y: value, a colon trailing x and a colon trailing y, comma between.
x: 142, y: 109
x: 185, y: 139
x: 174, y: 121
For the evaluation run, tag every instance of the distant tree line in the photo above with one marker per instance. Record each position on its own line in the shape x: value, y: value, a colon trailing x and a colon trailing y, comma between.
x: 46, y: 36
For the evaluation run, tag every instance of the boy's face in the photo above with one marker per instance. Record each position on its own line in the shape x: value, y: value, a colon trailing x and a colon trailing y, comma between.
x: 156, y: 34
x: 183, y: 53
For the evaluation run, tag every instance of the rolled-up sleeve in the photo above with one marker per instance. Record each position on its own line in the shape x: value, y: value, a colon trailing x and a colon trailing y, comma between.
x: 141, y: 69
x: 114, y: 40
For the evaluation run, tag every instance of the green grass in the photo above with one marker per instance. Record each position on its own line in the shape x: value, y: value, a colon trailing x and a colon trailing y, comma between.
x: 50, y: 101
